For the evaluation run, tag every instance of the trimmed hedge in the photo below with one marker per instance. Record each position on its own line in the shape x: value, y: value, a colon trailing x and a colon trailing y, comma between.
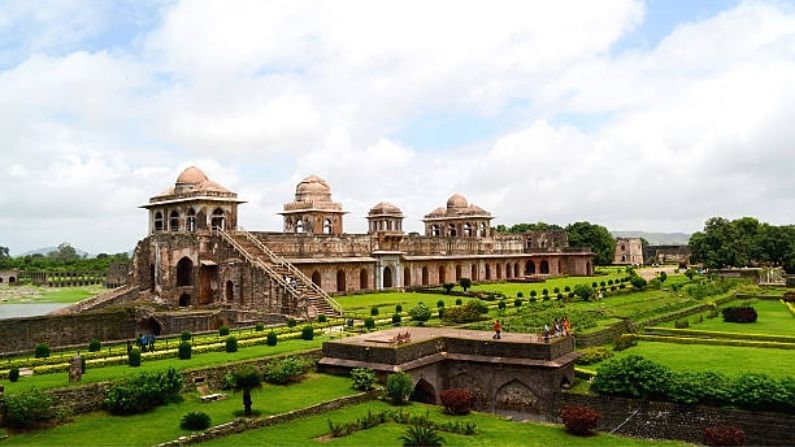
x: 740, y: 314
x: 716, y: 342
x: 715, y: 334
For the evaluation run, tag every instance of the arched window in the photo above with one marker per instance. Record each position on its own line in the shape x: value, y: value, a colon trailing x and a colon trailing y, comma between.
x: 316, y: 278
x: 299, y: 226
x: 442, y: 275
x: 457, y: 272
x: 184, y: 300
x: 488, y: 272
x: 173, y: 221
x: 219, y: 220
x: 508, y: 271
x: 190, y: 223
x: 425, y: 279
x: 363, y: 283
x: 158, y: 221
x: 530, y: 268
x: 327, y: 226
x: 388, y: 280
x: 341, y: 281
x: 406, y: 277
x: 516, y: 270
x: 529, y: 243
x: 184, y: 272
x: 451, y: 230
x: 230, y: 292
x: 544, y: 267
x: 467, y: 230
x: 482, y: 231
x: 435, y: 231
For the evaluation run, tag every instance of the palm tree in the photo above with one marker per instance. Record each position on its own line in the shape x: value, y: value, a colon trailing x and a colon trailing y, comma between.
x: 420, y: 436
x: 247, y: 378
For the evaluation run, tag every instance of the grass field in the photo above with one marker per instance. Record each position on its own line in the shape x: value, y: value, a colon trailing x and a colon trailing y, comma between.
x: 492, y: 430
x: 386, y: 302
x: 162, y: 424
x: 773, y: 318
x: 510, y: 289
x: 728, y: 360
x: 64, y: 295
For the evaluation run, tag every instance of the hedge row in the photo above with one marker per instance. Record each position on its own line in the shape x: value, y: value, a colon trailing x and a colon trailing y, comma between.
x: 714, y: 334
x: 790, y: 306
x: 715, y: 342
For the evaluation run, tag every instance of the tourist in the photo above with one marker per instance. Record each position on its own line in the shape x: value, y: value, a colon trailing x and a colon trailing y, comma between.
x: 293, y: 283
x: 546, y: 333
x: 567, y: 326
x: 497, y: 330
x: 142, y: 341
x: 129, y: 347
x: 151, y: 342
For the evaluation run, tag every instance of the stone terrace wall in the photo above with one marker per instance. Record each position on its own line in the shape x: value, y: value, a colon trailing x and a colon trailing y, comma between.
x: 605, y: 336
x: 671, y: 421
x: 292, y: 245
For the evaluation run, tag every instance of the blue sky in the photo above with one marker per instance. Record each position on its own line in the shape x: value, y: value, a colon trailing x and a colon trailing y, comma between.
x: 616, y: 112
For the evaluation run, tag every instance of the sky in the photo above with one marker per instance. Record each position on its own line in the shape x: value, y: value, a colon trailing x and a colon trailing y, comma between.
x: 635, y: 115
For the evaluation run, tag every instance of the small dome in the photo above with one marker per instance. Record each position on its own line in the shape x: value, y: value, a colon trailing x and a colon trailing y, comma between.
x: 384, y: 208
x: 438, y: 212
x: 191, y: 175
x: 457, y: 201
x: 312, y: 187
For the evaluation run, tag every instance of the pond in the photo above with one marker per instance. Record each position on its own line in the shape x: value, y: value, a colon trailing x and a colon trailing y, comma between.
x: 28, y: 309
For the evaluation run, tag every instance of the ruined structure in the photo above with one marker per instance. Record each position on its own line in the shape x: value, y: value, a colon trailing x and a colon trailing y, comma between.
x: 196, y: 255
x: 629, y: 251
x: 668, y: 254
x: 9, y: 277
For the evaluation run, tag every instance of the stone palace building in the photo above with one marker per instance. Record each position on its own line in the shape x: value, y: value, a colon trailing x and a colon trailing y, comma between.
x: 197, y: 256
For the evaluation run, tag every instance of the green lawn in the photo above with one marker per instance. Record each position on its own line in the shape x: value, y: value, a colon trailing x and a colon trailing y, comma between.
x: 386, y: 302
x: 773, y: 318
x: 728, y: 360
x: 65, y: 295
x: 510, y: 289
x: 162, y: 424
x: 60, y: 379
x: 492, y: 430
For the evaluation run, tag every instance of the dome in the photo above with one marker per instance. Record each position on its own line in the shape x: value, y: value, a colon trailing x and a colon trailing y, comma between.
x: 312, y: 187
x: 385, y: 208
x: 438, y: 212
x: 191, y: 175
x: 457, y: 201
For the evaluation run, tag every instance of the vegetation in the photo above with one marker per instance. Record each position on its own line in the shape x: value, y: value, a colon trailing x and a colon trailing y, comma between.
x: 595, y: 236
x: 724, y: 435
x: 261, y: 326
x: 184, y: 351
x: 42, y: 350
x: 398, y: 387
x: 143, y: 392
x: 421, y: 436
x: 307, y: 332
x: 420, y: 313
x: 223, y: 331
x: 272, y: 338
x: 94, y: 346
x: 134, y: 357
x: 246, y: 378
x: 286, y: 370
x: 465, y: 283
x: 741, y: 314
x: 457, y: 401
x: 186, y: 336
x: 13, y: 374
x: 195, y: 420
x: 589, y: 356
x: 64, y: 258
x: 579, y: 419
x: 231, y: 344
x: 27, y: 409
x: 363, y: 379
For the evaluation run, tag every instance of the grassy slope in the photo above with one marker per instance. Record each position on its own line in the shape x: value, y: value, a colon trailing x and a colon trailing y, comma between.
x: 386, y: 301
x: 774, y: 319
x: 511, y: 289
x: 493, y: 430
x: 162, y: 424
x: 64, y: 295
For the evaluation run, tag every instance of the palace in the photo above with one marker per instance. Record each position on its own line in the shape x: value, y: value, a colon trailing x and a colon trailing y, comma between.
x: 197, y: 256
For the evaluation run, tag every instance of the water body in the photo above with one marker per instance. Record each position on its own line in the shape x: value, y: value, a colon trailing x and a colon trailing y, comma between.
x: 28, y: 309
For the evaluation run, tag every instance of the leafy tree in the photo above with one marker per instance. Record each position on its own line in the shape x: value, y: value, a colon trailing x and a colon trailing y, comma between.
x: 466, y: 283
x: 420, y: 313
x: 246, y: 378
x: 4, y: 254
x: 65, y: 253
x: 595, y: 236
x: 583, y: 291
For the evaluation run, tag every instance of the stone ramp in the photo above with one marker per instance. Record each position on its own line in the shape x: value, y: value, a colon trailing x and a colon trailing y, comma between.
x: 119, y: 295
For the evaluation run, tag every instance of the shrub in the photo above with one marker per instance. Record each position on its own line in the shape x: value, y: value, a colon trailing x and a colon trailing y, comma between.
x: 559, y: 296
x: 546, y: 298
x: 322, y: 318
x: 399, y: 307
x: 396, y: 320
x: 307, y: 332
x: 448, y: 287
x: 594, y: 285
x: 41, y: 351
x: 272, y: 339
x: 609, y: 282
x: 184, y: 350
x: 287, y: 370
x: 186, y: 336
x: 94, y: 346
x: 501, y: 305
x: 654, y: 284
x: 27, y: 409
x: 421, y: 436
x: 663, y: 276
x: 567, y: 289
x: 632, y: 376
x: 469, y: 312
x: 589, y: 356
x: 517, y: 302
x: 681, y: 324
x: 602, y: 283
x: 519, y: 295
x: 579, y: 420
x: 459, y: 301
x: 398, y: 387
x: 246, y: 378
x: 261, y: 327
x: 291, y: 322
x: 625, y: 341
x: 556, y: 290
x: 724, y: 435
x: 231, y: 344
x: 369, y: 323
x: 13, y: 374
x: 533, y: 299
x: 533, y: 293
x: 457, y: 401
x: 134, y: 357
x: 223, y: 331
x: 466, y: 283
x: 740, y: 314
x: 144, y: 391
x: 583, y: 292
x: 374, y: 310
x: 440, y: 303
x: 545, y: 292
x: 441, y: 312
x: 420, y: 313
x: 363, y: 379
x: 638, y: 282
x: 228, y: 381
x: 195, y: 420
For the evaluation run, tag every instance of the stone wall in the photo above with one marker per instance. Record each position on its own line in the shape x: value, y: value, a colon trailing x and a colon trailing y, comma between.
x: 671, y: 421
x: 603, y: 337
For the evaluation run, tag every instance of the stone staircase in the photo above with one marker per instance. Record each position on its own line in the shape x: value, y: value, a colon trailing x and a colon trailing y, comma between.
x: 281, y: 271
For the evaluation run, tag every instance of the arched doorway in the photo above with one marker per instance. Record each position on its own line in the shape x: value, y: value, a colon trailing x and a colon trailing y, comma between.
x: 229, y: 292
x: 451, y: 231
x: 473, y: 272
x: 516, y: 396
x: 457, y: 272
x: 508, y: 271
x: 488, y: 272
x: 327, y: 226
x: 184, y: 272
x: 425, y: 276
x: 516, y: 270
x: 442, y: 275
x: 530, y: 268
x: 184, y: 300
x: 363, y: 279
x: 499, y: 271
x: 388, y: 280
x: 341, y: 283
x: 316, y: 278
x: 406, y: 277
x: 588, y: 268
x: 544, y: 267
x: 150, y: 326
x: 218, y: 221
x: 424, y: 392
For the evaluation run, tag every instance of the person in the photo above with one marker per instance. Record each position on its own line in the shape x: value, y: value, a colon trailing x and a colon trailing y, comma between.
x: 293, y: 283
x: 546, y: 333
x: 142, y: 341
x: 497, y: 329
x: 151, y: 342
x: 129, y: 347
x: 567, y: 326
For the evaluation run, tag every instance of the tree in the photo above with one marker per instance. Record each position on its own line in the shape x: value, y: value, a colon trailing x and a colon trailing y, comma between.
x: 585, y: 234
x: 4, y: 253
x: 246, y: 378
x: 466, y: 283
x: 743, y: 242
x: 65, y: 253
x: 583, y: 291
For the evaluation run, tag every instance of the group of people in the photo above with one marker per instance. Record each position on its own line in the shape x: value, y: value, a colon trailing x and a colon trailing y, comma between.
x: 145, y: 341
x: 560, y: 328
x: 290, y: 280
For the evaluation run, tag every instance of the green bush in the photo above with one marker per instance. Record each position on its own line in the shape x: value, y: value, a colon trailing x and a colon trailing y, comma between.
x: 589, y: 356
x: 624, y: 341
x: 134, y: 357
x: 421, y: 436
x: 567, y: 289
x: 517, y: 302
x: 184, y: 351
x: 583, y: 292
x: 448, y: 287
x: 420, y: 313
x: 321, y: 318
x: 638, y: 282
x: 465, y: 283
x: 519, y: 295
x: 545, y: 292
x: 459, y: 301
x: 632, y: 376
x: 396, y: 319
x: 195, y: 421
x: 681, y: 324
x: 228, y: 382
x: 374, y: 310
x: 307, y: 332
x: 27, y: 409
x: 13, y: 374
x: 441, y: 312
x: 41, y: 351
x: 739, y: 314
x: 223, y: 331
x: 272, y: 339
x: 94, y: 346
x: 144, y: 391
x: 363, y: 379
x: 291, y: 322
x: 398, y: 387
x: 501, y: 305
x: 231, y: 344
x: 654, y: 284
x: 246, y: 378
x: 440, y: 303
x: 186, y: 336
x: 533, y: 293
x: 369, y: 323
x: 398, y: 308
x: 259, y: 327
x: 470, y: 312
x: 286, y: 370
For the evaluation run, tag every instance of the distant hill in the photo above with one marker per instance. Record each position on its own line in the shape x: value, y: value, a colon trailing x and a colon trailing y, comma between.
x: 656, y: 238
x: 44, y: 251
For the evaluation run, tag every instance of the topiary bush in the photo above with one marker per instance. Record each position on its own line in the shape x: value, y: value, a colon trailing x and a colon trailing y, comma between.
x: 184, y: 351
x: 441, y: 312
x: 259, y: 327
x: 589, y: 356
x: 42, y: 350
x: 459, y: 301
x: 272, y: 339
x: 583, y: 291
x: 457, y: 401
x: 739, y: 314
x: 13, y: 374
x: 363, y: 379
x: 439, y: 304
x: 246, y: 378
x: 223, y: 331
x: 396, y: 320
x: 625, y: 341
x: 632, y: 376
x: 134, y: 357
x: 94, y: 345
x: 448, y: 287
x: 374, y: 310
x: 398, y: 308
x: 144, y: 391
x: 398, y: 387
x: 291, y: 322
x: 369, y: 323
x: 322, y: 318
x: 420, y: 313
x: 27, y: 409
x: 307, y: 332
x: 519, y: 295
x: 579, y: 419
x: 501, y: 305
x: 470, y: 312
x: 724, y: 435
x: 231, y: 344
x: 195, y: 421
x: 186, y: 336
x: 287, y: 370
x: 466, y: 283
x: 638, y: 282
x: 517, y: 302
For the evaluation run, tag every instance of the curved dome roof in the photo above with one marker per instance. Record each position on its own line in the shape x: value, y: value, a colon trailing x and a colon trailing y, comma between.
x: 457, y: 201
x: 192, y: 175
x: 385, y: 208
x: 313, y: 189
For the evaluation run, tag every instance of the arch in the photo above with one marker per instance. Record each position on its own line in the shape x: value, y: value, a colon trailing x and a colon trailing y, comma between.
x: 158, y: 221
x: 457, y: 272
x: 451, y: 230
x: 363, y: 279
x: 466, y: 230
x: 530, y: 267
x: 588, y: 269
x: 560, y: 267
x: 173, y: 221
x: 388, y: 280
x: 316, y: 278
x: 442, y: 274
x: 516, y: 273
x: 184, y: 272
x: 508, y: 271
x: 150, y: 326
x: 184, y: 300
x: 1, y: 279
x: 190, y: 222
x: 299, y: 226
x: 425, y: 276
x: 435, y: 230
x: 482, y: 231
x: 472, y: 384
x: 473, y: 272
x: 565, y: 382
x: 544, y: 267
x: 499, y: 271
x: 406, y: 277
x: 516, y: 396
x: 341, y: 281
x: 218, y: 221
x: 229, y: 292
x: 424, y: 392
x: 488, y: 272
x: 623, y: 258
x: 327, y: 226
